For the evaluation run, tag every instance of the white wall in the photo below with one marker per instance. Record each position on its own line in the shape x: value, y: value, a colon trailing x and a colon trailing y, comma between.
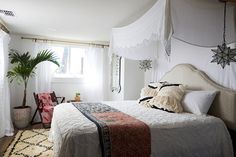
x: 199, y: 57
x: 134, y: 80
x: 67, y: 87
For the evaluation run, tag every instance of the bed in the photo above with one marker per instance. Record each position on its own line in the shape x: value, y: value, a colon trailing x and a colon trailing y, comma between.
x: 172, y: 134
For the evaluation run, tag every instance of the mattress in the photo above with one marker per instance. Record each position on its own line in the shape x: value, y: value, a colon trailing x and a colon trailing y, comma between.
x: 172, y: 134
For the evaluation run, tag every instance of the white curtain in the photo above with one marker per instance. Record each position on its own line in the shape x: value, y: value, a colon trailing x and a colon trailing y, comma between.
x: 43, y: 76
x: 95, y: 79
x: 44, y: 71
x: 6, y: 127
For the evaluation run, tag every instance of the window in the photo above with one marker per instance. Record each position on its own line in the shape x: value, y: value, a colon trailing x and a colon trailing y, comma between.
x: 71, y: 60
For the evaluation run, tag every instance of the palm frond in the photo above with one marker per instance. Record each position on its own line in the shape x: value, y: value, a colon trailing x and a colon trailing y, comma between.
x: 19, y: 72
x: 25, y: 65
x: 13, y: 75
x: 44, y: 55
x: 17, y: 58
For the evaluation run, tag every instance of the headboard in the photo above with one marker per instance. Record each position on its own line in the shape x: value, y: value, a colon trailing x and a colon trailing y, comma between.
x: 224, y: 105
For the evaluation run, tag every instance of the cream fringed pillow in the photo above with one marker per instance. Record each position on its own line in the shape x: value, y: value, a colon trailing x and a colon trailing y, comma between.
x: 147, y: 93
x: 152, y: 89
x: 169, y: 99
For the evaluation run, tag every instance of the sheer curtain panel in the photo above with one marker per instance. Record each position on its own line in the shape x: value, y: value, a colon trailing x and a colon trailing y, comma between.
x: 6, y: 127
x: 95, y: 74
x: 44, y: 71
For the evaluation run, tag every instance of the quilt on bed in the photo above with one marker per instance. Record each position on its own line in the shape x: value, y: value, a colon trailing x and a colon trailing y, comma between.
x: 119, y: 133
x: 172, y: 134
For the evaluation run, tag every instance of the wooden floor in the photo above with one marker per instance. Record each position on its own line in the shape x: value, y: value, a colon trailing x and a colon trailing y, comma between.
x: 5, y: 141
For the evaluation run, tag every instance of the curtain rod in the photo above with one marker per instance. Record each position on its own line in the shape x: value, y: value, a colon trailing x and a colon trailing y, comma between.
x: 2, y: 27
x: 64, y: 41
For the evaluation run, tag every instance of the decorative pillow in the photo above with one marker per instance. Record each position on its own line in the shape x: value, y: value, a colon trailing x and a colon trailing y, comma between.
x: 147, y: 93
x: 198, y: 102
x: 157, y: 85
x: 152, y: 89
x: 169, y: 98
x: 145, y: 101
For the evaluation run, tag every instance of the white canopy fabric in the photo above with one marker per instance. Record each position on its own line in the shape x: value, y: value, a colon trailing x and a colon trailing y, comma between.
x: 139, y: 40
x: 199, y: 23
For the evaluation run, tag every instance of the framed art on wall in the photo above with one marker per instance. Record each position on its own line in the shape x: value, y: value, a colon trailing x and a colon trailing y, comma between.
x: 115, y: 73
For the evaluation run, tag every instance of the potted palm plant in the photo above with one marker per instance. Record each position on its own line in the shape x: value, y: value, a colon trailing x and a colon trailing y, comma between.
x: 23, y: 69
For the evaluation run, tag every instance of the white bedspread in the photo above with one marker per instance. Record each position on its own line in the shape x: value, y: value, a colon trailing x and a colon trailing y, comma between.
x: 172, y: 134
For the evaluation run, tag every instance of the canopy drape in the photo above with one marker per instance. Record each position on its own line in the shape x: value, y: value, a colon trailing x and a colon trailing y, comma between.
x: 139, y: 40
x: 199, y: 23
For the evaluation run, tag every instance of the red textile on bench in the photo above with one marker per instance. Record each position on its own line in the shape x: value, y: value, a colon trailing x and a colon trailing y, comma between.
x: 46, y: 106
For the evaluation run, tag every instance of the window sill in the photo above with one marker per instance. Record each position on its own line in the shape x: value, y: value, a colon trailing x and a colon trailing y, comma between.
x: 68, y: 80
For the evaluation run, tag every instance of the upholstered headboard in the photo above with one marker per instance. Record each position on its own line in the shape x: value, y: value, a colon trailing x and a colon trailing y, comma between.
x: 224, y: 105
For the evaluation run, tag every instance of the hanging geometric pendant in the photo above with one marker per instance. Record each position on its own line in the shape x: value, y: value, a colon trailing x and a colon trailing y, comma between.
x: 145, y: 65
x: 223, y: 55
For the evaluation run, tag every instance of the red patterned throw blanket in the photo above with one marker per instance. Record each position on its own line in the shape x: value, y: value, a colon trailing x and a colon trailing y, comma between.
x: 120, y: 135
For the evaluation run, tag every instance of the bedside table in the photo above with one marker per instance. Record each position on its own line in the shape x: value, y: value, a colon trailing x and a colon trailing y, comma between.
x: 68, y: 101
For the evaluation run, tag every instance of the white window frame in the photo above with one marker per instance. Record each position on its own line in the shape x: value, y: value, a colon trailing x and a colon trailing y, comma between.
x: 69, y: 77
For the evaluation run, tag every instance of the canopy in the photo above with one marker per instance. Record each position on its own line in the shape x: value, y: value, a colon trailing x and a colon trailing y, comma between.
x: 198, y: 23
x: 139, y: 39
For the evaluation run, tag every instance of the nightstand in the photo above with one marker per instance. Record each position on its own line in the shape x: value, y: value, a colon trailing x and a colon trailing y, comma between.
x: 68, y: 101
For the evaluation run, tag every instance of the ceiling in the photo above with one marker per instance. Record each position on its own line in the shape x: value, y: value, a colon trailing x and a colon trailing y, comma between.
x: 83, y: 20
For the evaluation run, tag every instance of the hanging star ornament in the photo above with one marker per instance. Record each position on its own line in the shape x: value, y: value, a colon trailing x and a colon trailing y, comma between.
x: 223, y: 55
x: 145, y: 65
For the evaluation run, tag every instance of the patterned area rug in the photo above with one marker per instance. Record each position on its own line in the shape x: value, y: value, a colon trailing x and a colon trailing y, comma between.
x: 30, y: 143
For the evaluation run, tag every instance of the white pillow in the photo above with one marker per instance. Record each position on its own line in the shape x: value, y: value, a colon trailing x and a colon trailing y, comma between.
x: 198, y: 102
